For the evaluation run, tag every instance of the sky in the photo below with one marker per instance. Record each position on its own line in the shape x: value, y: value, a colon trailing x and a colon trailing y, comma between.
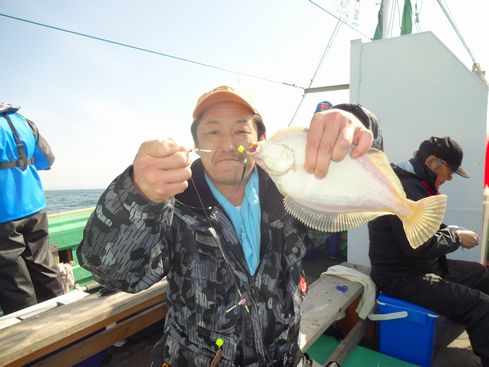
x: 96, y: 102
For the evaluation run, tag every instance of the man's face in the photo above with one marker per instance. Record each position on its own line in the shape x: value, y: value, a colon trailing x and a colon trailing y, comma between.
x: 443, y: 172
x: 224, y: 127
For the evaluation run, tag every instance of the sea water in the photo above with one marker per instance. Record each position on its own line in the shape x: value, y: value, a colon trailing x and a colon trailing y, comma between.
x: 65, y: 200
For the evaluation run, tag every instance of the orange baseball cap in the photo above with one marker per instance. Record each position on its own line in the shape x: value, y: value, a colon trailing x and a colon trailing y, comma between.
x: 223, y: 93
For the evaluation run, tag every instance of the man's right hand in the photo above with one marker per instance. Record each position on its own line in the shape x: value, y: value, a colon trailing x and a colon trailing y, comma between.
x: 161, y: 169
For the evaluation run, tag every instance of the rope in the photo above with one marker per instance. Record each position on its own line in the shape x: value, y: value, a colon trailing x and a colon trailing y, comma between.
x: 142, y: 49
x: 66, y: 276
x: 341, y: 20
x: 444, y: 7
x: 328, y: 46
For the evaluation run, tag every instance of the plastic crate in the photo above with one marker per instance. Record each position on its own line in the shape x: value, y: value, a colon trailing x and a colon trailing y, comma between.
x: 409, y: 336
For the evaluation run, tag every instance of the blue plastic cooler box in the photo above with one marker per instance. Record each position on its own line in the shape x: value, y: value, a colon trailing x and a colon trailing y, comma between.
x: 410, y: 335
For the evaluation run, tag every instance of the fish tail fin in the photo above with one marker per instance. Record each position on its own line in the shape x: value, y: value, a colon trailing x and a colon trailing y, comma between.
x: 427, y: 215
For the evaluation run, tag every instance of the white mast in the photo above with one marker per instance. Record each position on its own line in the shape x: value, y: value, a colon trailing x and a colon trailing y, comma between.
x: 387, y: 17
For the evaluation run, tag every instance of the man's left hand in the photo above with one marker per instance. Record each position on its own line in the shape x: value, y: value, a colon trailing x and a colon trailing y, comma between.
x: 330, y: 137
x: 468, y: 239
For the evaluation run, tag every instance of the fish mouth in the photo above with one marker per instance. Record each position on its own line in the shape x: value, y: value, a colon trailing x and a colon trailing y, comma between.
x: 254, y: 148
x: 276, y: 167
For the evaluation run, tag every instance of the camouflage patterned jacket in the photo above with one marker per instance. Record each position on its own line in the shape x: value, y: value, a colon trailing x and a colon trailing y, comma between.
x: 130, y: 244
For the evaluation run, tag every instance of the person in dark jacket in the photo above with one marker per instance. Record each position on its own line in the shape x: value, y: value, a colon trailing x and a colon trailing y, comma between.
x: 217, y: 229
x: 27, y: 271
x: 454, y: 288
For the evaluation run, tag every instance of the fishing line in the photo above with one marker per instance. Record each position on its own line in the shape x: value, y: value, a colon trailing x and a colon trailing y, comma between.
x: 242, y: 301
x: 240, y: 148
x: 232, y: 271
x: 214, y: 235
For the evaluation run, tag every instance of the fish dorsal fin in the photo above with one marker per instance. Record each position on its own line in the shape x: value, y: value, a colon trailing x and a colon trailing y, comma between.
x: 381, y: 161
x: 288, y: 131
x: 328, y: 222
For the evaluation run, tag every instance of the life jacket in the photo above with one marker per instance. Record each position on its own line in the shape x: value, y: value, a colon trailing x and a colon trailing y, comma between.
x: 23, y: 161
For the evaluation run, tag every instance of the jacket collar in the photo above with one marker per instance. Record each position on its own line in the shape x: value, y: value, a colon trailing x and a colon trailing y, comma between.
x: 421, y: 171
x: 425, y: 173
x: 191, y: 198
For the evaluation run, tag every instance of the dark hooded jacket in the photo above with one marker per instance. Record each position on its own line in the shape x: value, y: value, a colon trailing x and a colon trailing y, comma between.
x: 130, y: 244
x: 390, y: 252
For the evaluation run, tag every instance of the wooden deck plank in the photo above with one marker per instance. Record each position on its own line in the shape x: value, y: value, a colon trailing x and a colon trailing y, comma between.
x: 322, y: 306
x: 32, y: 338
x: 103, y: 340
x: 341, y: 353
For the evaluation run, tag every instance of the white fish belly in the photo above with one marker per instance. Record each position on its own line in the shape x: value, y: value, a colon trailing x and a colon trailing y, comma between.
x: 354, y: 191
x: 351, y: 185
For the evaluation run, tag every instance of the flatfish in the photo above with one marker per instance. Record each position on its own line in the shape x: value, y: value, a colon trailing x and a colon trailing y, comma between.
x: 354, y: 191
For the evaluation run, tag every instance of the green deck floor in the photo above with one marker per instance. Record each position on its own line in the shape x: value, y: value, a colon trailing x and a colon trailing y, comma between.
x: 359, y: 357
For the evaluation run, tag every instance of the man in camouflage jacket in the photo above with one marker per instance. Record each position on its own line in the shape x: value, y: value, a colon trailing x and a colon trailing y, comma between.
x: 152, y: 223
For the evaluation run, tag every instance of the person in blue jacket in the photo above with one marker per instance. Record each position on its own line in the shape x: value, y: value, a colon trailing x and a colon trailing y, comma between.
x: 27, y: 271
